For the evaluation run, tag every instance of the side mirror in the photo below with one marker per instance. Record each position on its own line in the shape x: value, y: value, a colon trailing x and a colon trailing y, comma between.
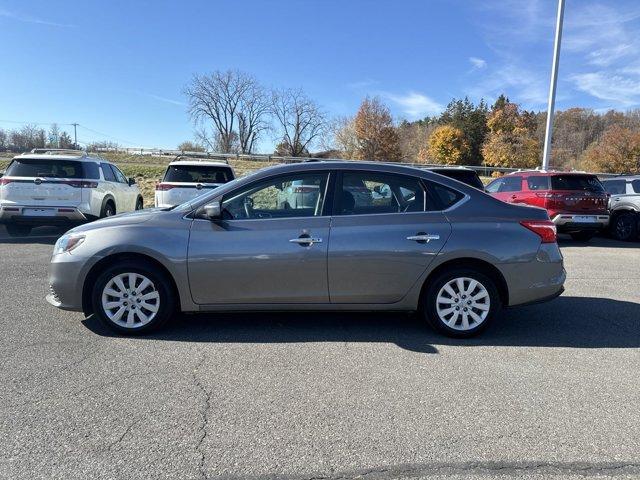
x: 213, y: 210
x: 132, y: 181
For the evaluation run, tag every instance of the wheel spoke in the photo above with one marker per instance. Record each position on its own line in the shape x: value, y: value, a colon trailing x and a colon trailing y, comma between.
x: 144, y: 284
x: 460, y: 285
x: 140, y: 314
x: 112, y: 305
x: 480, y: 306
x: 449, y: 290
x: 120, y: 284
x: 472, y: 286
x: 130, y: 318
x: 118, y: 315
x: 132, y: 281
x: 465, y: 320
x: 477, y: 318
x: 483, y: 293
x: 446, y: 311
x: 149, y: 306
x: 442, y: 299
x: 112, y: 293
x: 149, y: 296
x: 454, y: 318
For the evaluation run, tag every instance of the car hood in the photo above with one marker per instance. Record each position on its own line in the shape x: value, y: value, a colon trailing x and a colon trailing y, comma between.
x: 131, y: 218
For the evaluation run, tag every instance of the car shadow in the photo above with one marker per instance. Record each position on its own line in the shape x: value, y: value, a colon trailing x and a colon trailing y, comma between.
x: 575, y: 322
x: 600, y: 241
x: 40, y: 235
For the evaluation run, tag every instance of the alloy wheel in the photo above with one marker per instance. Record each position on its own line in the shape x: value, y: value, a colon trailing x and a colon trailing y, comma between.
x: 130, y: 300
x: 463, y: 303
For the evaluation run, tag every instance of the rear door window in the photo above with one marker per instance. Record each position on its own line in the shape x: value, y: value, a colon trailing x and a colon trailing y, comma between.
x: 107, y: 172
x: 27, y: 167
x: 636, y: 186
x: 589, y: 183
x: 615, y: 187
x: 511, y: 184
x: 198, y: 174
x: 118, y: 174
x: 538, y: 183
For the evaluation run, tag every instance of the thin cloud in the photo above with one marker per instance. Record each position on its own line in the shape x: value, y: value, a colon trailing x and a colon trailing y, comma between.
x: 612, y: 87
x: 163, y: 99
x: 415, y: 105
x: 362, y: 84
x: 478, y: 63
x: 30, y: 19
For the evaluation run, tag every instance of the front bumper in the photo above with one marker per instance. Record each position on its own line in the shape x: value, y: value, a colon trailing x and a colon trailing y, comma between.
x: 67, y: 273
x: 40, y: 215
x: 566, y: 222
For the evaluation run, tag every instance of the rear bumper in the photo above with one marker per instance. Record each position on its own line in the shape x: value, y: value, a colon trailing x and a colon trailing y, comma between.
x: 566, y: 222
x: 49, y: 215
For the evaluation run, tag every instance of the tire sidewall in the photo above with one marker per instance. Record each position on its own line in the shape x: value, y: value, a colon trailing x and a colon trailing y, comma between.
x: 167, y: 301
x: 108, y: 206
x: 431, y: 294
x: 633, y: 222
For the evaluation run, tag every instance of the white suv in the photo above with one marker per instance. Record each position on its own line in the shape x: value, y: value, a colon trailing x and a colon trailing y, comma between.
x: 62, y: 187
x: 184, y: 180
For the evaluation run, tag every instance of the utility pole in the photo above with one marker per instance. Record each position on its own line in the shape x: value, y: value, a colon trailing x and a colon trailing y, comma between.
x: 552, y: 87
x: 75, y: 135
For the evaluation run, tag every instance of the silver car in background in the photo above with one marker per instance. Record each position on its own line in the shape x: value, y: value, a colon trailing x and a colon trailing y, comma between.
x: 419, y: 242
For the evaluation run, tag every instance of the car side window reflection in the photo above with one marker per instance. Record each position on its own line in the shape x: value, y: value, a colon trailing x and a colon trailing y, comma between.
x: 300, y: 195
x: 363, y: 193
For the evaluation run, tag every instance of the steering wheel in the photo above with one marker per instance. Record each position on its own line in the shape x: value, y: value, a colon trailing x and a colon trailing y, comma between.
x: 248, y: 206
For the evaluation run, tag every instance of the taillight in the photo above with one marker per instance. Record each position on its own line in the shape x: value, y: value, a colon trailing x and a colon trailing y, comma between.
x: 163, y: 187
x: 82, y: 184
x: 545, y: 229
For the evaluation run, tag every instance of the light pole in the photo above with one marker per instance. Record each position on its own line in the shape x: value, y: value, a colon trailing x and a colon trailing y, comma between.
x: 552, y: 87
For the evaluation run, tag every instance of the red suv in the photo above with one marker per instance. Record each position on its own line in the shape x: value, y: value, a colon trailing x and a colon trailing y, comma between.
x: 576, y: 202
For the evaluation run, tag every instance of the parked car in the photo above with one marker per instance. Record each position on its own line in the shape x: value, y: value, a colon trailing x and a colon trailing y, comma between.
x: 63, y: 187
x: 624, y: 206
x: 186, y: 178
x: 576, y: 202
x: 462, y: 174
x: 434, y: 245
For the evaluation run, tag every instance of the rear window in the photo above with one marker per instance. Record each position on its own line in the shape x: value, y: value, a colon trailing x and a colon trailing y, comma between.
x: 636, y: 186
x: 615, y: 187
x: 198, y: 174
x: 538, y: 183
x: 27, y: 167
x: 588, y: 183
x: 464, y: 176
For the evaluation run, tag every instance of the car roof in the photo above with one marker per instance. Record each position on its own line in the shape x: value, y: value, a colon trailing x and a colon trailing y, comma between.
x: 543, y: 173
x: 621, y: 177
x: 450, y: 169
x: 81, y: 157
x: 200, y: 162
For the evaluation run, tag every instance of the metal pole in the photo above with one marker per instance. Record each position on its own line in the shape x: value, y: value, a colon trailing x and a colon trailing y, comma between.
x: 75, y: 135
x: 552, y: 88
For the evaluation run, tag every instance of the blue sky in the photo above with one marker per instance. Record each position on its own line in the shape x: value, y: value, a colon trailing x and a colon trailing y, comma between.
x: 119, y: 67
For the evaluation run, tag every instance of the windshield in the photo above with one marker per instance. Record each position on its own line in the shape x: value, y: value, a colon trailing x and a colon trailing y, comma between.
x: 27, y: 167
x: 587, y: 183
x: 198, y: 174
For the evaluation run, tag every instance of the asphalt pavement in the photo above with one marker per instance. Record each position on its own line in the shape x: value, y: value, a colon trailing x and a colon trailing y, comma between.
x: 549, y: 390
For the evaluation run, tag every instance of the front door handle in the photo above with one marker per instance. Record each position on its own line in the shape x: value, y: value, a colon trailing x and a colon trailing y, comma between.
x: 423, y: 237
x: 305, y: 240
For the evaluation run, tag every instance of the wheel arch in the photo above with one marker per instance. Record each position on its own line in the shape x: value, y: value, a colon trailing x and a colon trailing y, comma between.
x: 482, y: 266
x: 110, y: 260
x: 108, y: 198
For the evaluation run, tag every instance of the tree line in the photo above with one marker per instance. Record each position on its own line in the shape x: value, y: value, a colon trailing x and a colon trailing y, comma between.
x: 31, y: 136
x: 232, y: 111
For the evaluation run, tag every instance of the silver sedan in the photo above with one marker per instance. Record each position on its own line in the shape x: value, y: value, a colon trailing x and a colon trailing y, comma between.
x: 429, y: 244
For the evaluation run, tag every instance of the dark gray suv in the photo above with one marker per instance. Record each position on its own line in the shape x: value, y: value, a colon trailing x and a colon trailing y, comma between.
x: 419, y: 242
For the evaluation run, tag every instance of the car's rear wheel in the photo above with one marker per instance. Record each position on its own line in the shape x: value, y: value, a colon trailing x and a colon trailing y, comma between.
x: 108, y: 210
x: 139, y: 204
x: 625, y: 227
x: 584, y: 236
x: 133, y: 298
x: 461, y: 302
x: 18, y: 230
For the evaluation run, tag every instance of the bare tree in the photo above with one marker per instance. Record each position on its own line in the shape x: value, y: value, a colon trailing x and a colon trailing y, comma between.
x: 300, y: 120
x: 234, y: 104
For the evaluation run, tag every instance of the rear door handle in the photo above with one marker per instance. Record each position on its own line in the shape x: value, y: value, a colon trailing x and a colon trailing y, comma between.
x: 305, y: 241
x: 423, y: 237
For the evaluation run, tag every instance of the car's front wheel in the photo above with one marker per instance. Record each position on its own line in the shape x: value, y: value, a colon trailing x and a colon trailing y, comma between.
x: 461, y: 302
x: 133, y: 297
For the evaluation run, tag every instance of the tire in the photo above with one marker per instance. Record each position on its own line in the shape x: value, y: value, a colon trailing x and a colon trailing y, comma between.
x: 125, y: 316
x: 625, y: 227
x: 139, y: 203
x: 584, y: 236
x: 108, y: 209
x: 18, y: 230
x: 452, y: 323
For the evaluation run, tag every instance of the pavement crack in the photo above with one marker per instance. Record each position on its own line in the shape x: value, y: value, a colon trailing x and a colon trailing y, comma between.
x: 204, y: 413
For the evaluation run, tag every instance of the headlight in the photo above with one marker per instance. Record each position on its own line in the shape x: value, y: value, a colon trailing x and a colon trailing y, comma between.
x: 66, y: 243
